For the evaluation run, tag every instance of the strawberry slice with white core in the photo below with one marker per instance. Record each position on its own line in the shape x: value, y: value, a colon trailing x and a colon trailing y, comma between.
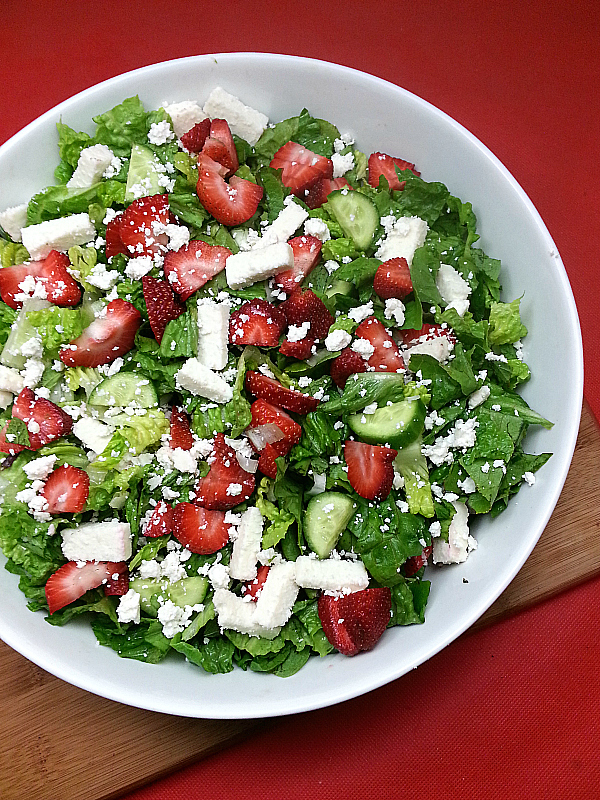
x: 74, y: 579
x: 143, y: 226
x: 370, y: 469
x: 190, y: 267
x: 227, y: 484
x: 199, y: 529
x: 355, y: 621
x: 274, y: 392
x: 386, y: 355
x: 161, y: 305
x: 256, y: 322
x: 382, y: 164
x: 106, y: 338
x: 307, y: 250
x: 432, y: 339
x: 220, y: 146
x: 45, y: 422
x: 301, y: 168
x: 230, y: 203
x: 66, y: 490
x: 48, y: 278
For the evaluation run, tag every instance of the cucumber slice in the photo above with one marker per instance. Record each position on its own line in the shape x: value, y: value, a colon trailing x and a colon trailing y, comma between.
x: 339, y: 287
x: 356, y: 214
x: 326, y: 516
x: 398, y: 424
x: 123, y: 389
x: 185, y: 592
x: 21, y: 332
x: 142, y: 172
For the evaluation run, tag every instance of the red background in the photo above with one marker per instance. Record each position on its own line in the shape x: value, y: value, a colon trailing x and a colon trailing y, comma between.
x: 511, y: 711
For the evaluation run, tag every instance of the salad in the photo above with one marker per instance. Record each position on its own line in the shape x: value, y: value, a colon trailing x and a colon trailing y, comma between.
x: 253, y: 381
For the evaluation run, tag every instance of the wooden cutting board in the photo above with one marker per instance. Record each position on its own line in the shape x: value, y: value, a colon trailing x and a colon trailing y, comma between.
x: 49, y: 729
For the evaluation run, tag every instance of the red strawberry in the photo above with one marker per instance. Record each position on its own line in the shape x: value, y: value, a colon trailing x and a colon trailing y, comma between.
x: 320, y: 191
x: 143, y: 223
x: 413, y: 564
x: 70, y: 582
x: 370, y: 469
x: 107, y: 337
x: 51, y: 272
x: 301, y: 168
x: 257, y: 322
x: 161, y: 305
x: 190, y: 267
x: 429, y: 331
x: 305, y: 306
x: 160, y: 522
x: 117, y: 587
x: 302, y: 349
x: 45, y: 421
x: 307, y: 250
x: 180, y: 434
x: 199, y: 529
x: 269, y: 389
x: 253, y: 588
x: 226, y: 484
x: 194, y: 139
x: 386, y: 356
x: 347, y: 363
x: 114, y: 243
x: 382, y: 164
x: 392, y: 279
x: 220, y: 146
x: 66, y: 490
x: 355, y: 621
x: 230, y: 204
x: 265, y: 413
x: 267, y: 461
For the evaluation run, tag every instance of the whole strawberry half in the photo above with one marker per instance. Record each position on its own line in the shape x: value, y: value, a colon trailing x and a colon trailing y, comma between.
x: 300, y: 167
x: 51, y: 273
x: 142, y: 226
x: 190, y: 267
x: 45, y: 422
x: 274, y: 392
x: 392, y: 279
x: 161, y: 305
x: 370, y: 469
x: 107, y: 338
x: 257, y: 322
x: 201, y: 530
x: 319, y: 191
x: 160, y: 522
x: 347, y: 363
x: 306, y: 250
x: 386, y: 355
x: 355, y: 621
x: 66, y: 490
x: 227, y: 484
x: 230, y: 203
x: 382, y: 164
x: 73, y: 580
x: 305, y: 306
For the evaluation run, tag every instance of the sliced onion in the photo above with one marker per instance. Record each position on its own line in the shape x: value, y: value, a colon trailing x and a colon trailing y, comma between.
x: 262, y: 435
x: 246, y: 463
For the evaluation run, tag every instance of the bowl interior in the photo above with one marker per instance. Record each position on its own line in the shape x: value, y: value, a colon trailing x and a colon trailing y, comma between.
x: 382, y: 117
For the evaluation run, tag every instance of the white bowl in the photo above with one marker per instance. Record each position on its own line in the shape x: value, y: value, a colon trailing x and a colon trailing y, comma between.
x: 382, y: 117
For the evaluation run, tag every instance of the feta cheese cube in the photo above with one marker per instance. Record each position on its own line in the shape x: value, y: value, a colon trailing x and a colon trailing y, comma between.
x: 128, y: 609
x: 93, y: 433
x: 97, y: 541
x: 404, y: 237
x: 247, y: 545
x: 213, y: 333
x: 57, y: 234
x: 93, y: 161
x: 245, y: 268
x: 240, y: 615
x: 287, y: 222
x: 244, y: 121
x: 198, y: 379
x: 13, y: 219
x: 331, y: 574
x: 10, y: 380
x: 184, y: 115
x: 6, y: 399
x: 278, y: 595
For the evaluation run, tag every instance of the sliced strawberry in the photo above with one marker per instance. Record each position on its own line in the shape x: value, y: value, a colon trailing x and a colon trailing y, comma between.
x: 370, y: 469
x: 271, y: 390
x: 257, y: 322
x: 117, y: 587
x: 194, y: 139
x: 302, y: 349
x: 382, y: 164
x: 143, y: 223
x: 107, y: 338
x: 230, y: 204
x: 160, y: 522
x: 199, y: 529
x: 265, y: 413
x: 180, y: 433
x: 320, y: 191
x: 307, y: 250
x: 51, y: 272
x: 355, y: 621
x: 305, y: 306
x: 220, y: 146
x: 226, y: 484
x: 114, y: 243
x: 253, y: 588
x: 427, y: 333
x: 386, y: 356
x: 190, y: 267
x: 301, y: 168
x: 45, y: 421
x: 413, y: 564
x: 66, y: 490
x: 347, y: 363
x: 392, y: 279
x: 267, y: 461
x: 71, y: 581
x: 161, y: 305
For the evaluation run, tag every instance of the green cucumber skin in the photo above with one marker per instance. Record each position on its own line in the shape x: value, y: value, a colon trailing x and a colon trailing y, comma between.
x: 356, y: 214
x: 322, y: 529
x: 185, y: 592
x: 378, y: 428
x: 124, y: 388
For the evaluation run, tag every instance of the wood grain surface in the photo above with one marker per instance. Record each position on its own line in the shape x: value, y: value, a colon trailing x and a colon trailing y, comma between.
x: 60, y: 741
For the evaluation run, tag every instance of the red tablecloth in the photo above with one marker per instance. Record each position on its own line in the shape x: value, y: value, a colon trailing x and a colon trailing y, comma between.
x: 511, y: 711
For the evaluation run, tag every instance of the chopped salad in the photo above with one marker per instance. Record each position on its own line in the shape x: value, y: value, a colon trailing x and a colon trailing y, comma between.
x: 253, y: 381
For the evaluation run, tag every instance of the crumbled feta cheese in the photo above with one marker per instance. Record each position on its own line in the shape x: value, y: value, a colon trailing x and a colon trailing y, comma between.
x: 394, y: 309
x: 459, y: 543
x: 199, y: 380
x: 13, y: 219
x: 363, y: 347
x: 247, y: 545
x: 337, y: 340
x: 402, y: 239
x: 454, y: 289
x: 298, y: 332
x: 318, y: 228
x: 331, y: 574
x: 479, y: 396
x: 128, y: 609
x: 160, y: 133
x: 360, y: 313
